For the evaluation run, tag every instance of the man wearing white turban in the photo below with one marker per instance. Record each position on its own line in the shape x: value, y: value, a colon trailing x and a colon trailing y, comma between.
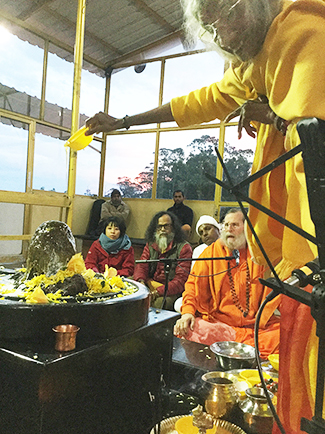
x: 207, y: 229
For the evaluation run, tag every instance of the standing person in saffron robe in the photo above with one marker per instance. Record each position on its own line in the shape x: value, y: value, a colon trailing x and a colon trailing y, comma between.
x: 274, y: 47
x: 221, y: 299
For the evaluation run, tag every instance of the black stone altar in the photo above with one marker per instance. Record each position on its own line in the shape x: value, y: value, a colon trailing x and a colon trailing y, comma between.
x: 97, y: 320
x: 98, y: 389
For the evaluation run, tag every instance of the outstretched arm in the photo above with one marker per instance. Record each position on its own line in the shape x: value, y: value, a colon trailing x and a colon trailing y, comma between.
x: 103, y: 122
x: 252, y: 110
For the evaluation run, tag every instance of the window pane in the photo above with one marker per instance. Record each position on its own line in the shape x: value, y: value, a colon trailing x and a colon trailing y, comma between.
x: 92, y: 93
x: 133, y: 93
x: 13, y: 154
x: 51, y: 161
x: 20, y: 74
x: 59, y: 84
x: 188, y: 73
x: 88, y: 168
x: 238, y: 157
x: 184, y: 158
x: 129, y: 164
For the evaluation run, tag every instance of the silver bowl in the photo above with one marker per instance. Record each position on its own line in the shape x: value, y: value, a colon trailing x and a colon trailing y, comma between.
x: 234, y: 355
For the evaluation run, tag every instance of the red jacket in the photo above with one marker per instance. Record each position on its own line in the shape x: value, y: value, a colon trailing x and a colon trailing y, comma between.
x: 97, y: 258
x: 175, y: 285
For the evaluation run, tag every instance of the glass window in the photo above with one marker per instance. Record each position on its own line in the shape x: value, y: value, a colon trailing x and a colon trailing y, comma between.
x: 92, y: 93
x: 58, y: 96
x: 88, y: 169
x: 11, y: 223
x: 51, y: 160
x: 184, y: 158
x: 129, y: 164
x: 238, y: 158
x: 20, y: 74
x: 13, y: 154
x: 187, y: 73
x: 133, y: 92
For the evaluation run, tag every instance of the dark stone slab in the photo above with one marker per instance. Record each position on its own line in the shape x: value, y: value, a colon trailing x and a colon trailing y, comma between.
x: 100, y: 389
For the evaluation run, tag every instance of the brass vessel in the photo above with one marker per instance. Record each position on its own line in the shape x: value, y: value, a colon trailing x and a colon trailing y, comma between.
x: 219, y: 393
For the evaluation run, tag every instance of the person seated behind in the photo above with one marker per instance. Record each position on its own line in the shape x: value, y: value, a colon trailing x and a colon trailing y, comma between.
x: 221, y: 298
x: 113, y: 248
x: 183, y: 212
x: 207, y: 229
x: 115, y: 207
x: 165, y: 239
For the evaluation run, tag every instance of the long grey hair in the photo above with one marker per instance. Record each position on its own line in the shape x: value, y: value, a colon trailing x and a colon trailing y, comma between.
x: 261, y: 13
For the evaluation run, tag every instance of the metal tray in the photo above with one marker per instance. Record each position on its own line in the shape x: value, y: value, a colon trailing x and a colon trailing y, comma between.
x: 167, y: 426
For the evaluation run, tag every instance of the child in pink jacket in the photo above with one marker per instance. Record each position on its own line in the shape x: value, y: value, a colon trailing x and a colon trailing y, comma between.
x: 112, y: 248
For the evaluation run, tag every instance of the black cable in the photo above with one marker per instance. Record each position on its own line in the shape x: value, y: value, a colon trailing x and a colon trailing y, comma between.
x: 268, y: 298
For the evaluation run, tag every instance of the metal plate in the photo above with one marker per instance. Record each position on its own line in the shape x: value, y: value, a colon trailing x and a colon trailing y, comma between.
x: 167, y: 426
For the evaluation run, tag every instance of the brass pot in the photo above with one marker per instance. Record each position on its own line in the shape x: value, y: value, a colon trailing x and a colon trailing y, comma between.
x: 256, y: 413
x: 219, y: 394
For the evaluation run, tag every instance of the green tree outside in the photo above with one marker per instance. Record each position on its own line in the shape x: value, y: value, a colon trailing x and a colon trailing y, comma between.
x: 175, y: 171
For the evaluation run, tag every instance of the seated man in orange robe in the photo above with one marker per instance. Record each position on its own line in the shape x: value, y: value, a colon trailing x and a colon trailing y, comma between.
x: 221, y: 298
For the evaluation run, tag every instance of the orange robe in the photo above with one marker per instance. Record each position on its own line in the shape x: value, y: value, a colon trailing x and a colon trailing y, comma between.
x: 208, y: 295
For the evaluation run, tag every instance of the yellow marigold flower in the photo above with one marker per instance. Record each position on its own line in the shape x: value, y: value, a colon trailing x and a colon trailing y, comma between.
x: 117, y: 281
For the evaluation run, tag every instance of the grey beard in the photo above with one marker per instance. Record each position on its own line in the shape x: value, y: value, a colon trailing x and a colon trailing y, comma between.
x: 238, y: 243
x: 163, y: 240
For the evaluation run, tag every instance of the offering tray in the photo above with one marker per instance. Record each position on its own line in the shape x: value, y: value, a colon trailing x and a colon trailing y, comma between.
x: 167, y: 426
x: 241, y: 385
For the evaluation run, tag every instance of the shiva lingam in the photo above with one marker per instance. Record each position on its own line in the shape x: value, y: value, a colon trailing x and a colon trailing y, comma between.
x: 202, y: 420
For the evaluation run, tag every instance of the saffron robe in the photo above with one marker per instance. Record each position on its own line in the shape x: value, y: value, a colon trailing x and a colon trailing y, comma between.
x: 208, y: 295
x: 289, y: 70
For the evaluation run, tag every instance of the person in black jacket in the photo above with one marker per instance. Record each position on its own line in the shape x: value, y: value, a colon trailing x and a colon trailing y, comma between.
x: 183, y: 212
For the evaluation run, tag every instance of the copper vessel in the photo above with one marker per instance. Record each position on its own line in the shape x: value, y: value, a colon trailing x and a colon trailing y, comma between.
x: 65, y: 337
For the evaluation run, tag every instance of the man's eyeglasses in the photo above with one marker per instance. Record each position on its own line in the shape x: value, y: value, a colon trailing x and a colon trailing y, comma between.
x: 166, y: 226
x: 231, y: 225
x: 228, y: 15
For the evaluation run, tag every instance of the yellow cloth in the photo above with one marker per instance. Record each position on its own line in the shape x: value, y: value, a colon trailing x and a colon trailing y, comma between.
x: 153, y: 285
x: 289, y: 70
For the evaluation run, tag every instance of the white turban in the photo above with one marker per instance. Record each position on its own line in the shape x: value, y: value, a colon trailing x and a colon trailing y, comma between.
x: 206, y: 220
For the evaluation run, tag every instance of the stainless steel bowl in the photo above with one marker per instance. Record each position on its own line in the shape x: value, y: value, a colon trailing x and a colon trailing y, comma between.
x: 234, y: 355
